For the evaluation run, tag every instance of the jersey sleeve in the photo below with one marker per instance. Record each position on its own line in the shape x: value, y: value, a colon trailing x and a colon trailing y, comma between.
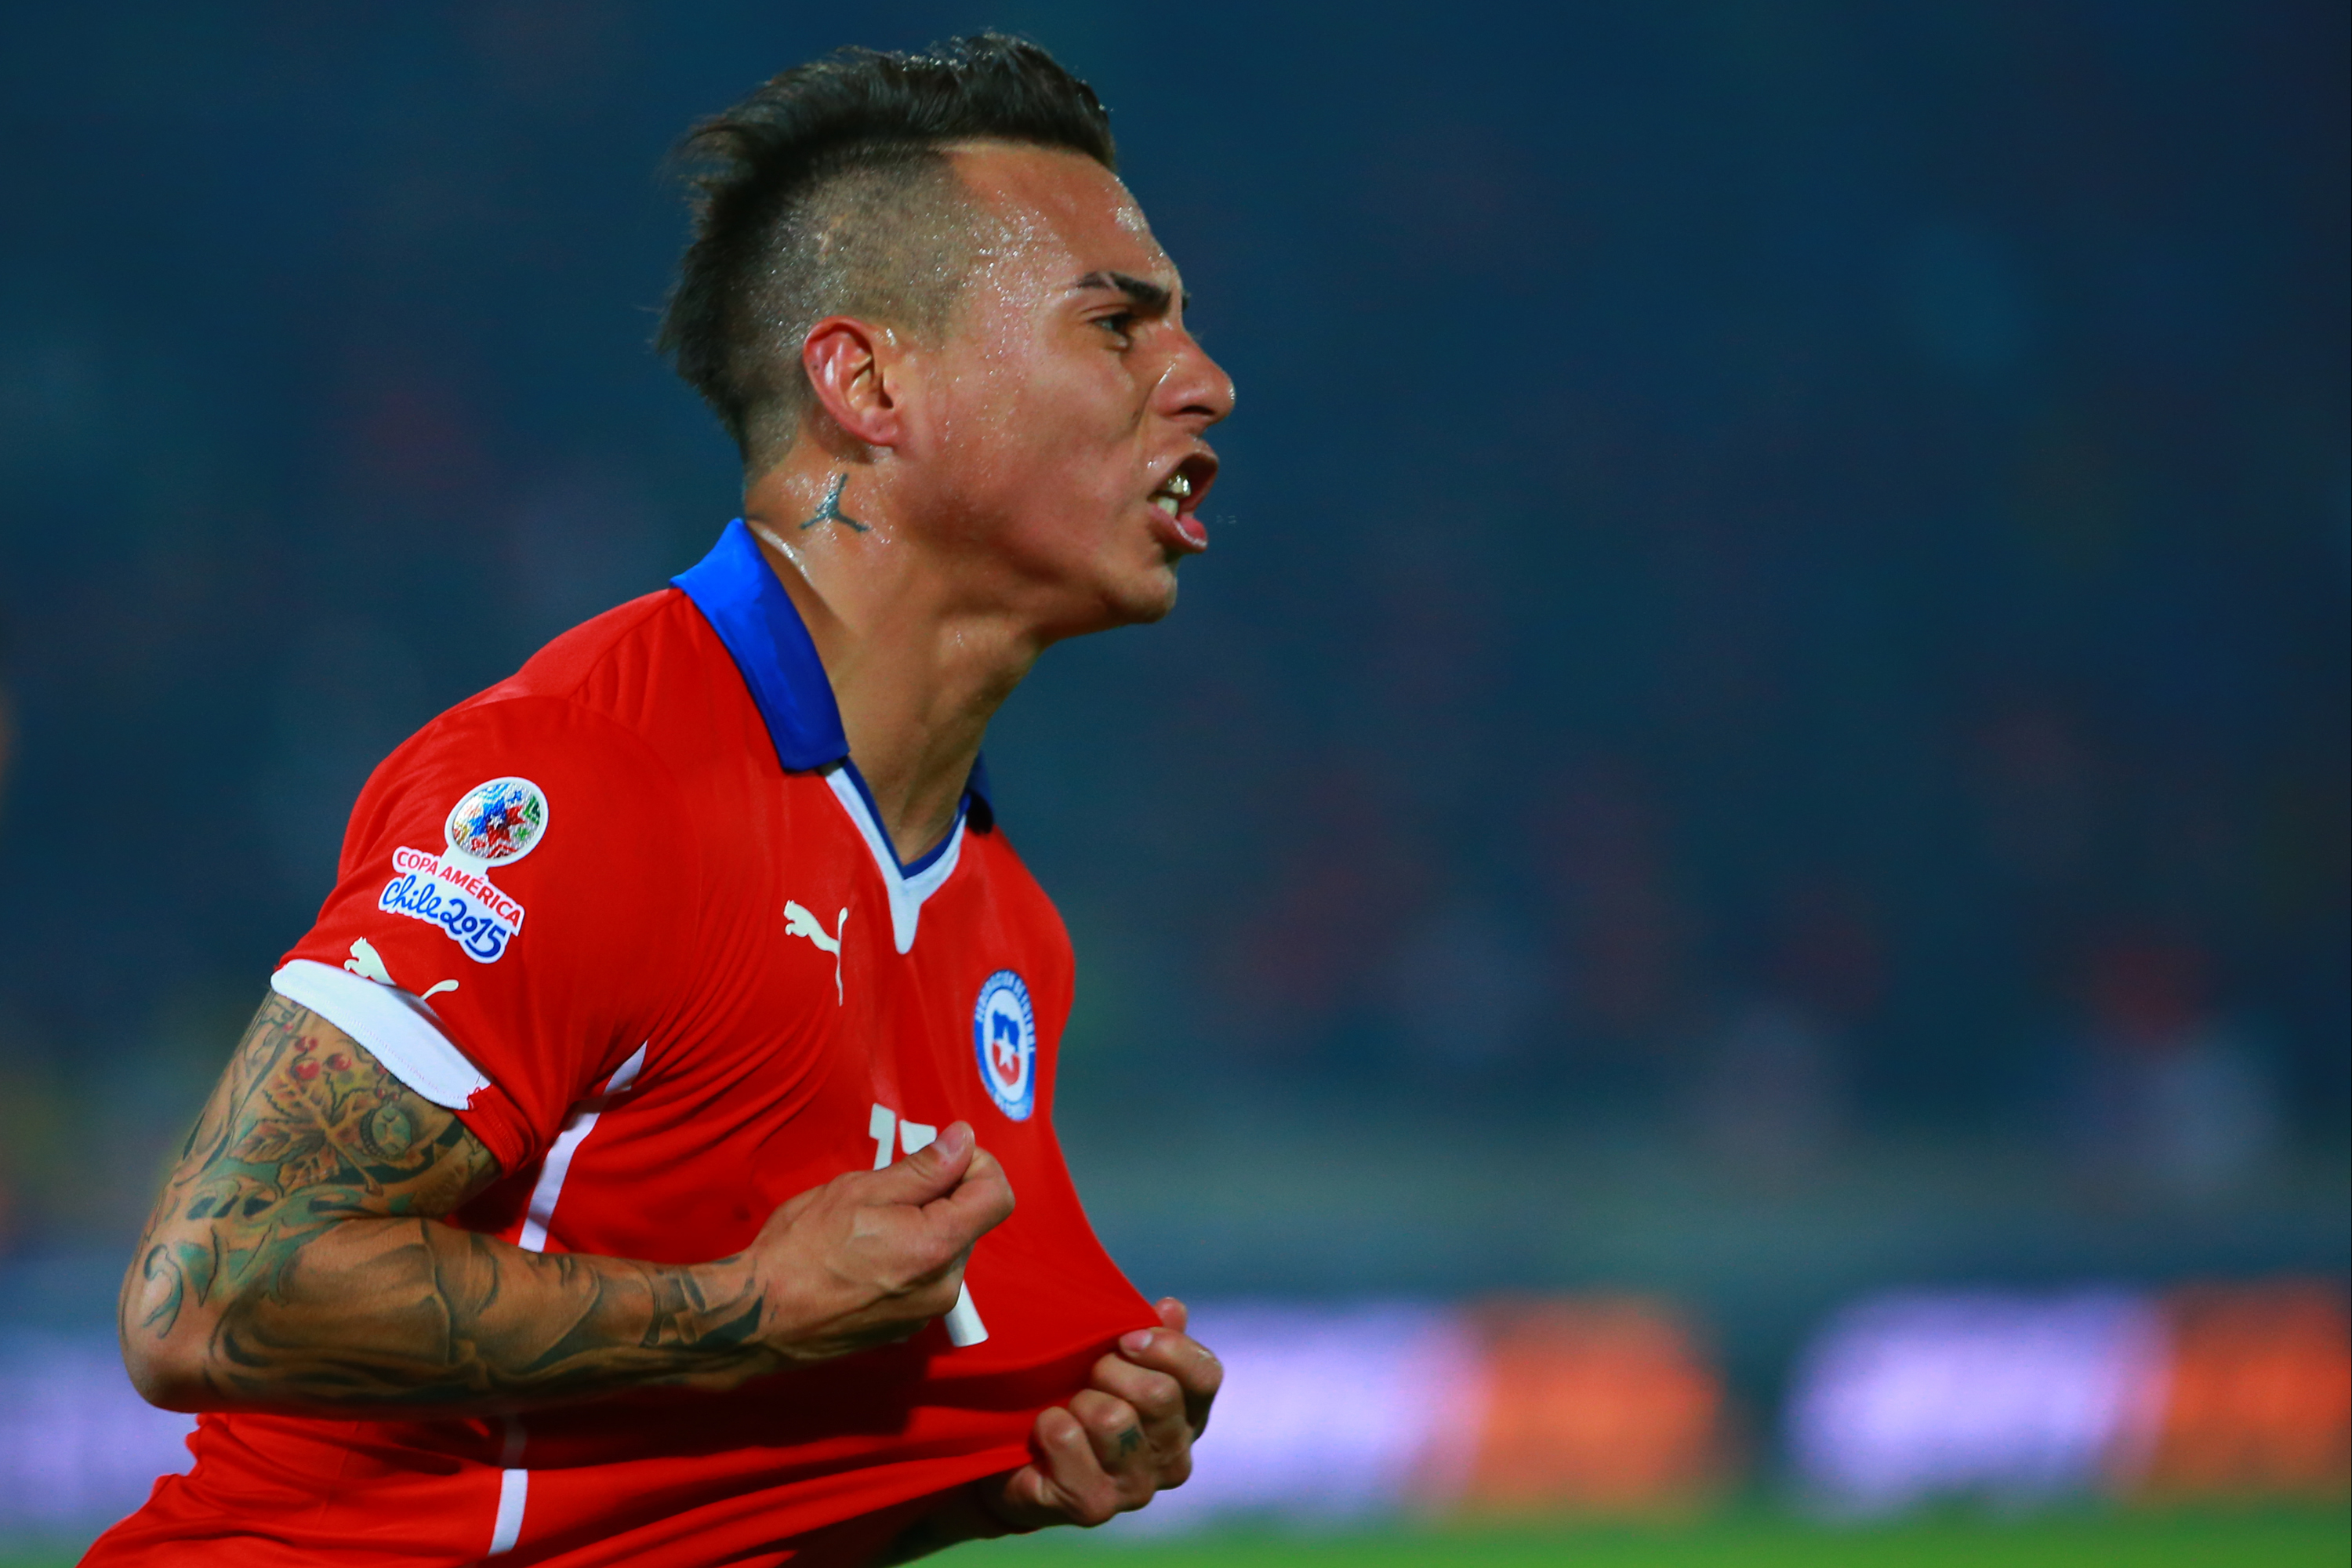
x: 512, y: 915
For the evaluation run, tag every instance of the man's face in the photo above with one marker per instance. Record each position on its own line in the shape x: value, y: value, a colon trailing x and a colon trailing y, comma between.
x: 1065, y: 408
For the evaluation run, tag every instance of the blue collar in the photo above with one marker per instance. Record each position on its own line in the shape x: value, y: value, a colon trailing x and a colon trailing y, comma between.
x: 737, y: 594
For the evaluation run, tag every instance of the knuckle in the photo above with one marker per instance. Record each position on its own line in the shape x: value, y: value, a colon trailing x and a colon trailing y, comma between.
x: 1160, y: 1398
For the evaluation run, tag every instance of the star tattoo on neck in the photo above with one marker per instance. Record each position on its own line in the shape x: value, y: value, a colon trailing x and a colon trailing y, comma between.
x: 831, y: 510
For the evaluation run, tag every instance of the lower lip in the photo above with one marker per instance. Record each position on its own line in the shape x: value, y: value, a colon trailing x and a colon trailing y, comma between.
x: 1183, y: 531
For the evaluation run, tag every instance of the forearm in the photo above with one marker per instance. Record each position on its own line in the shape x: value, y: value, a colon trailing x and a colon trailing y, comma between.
x: 293, y: 1262
x: 415, y: 1315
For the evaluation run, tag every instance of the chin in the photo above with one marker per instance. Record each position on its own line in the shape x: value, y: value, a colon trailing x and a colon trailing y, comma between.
x: 1130, y: 602
x: 1140, y: 604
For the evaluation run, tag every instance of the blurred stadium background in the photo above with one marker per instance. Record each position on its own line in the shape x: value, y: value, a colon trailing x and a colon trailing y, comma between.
x: 1725, y: 908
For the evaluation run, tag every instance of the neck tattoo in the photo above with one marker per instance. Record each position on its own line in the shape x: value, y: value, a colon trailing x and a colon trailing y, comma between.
x: 831, y: 510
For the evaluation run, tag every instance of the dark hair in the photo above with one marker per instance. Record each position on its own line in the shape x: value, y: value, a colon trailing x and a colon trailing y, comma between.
x: 828, y: 192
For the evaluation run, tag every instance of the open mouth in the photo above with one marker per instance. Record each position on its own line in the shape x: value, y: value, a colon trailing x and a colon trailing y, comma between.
x: 1176, y: 496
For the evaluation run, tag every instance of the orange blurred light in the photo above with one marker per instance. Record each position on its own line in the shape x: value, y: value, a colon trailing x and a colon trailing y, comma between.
x: 1600, y: 1405
x: 2258, y: 1401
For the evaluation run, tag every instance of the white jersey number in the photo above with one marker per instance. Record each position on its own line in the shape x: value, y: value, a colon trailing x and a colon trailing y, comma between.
x: 887, y: 1128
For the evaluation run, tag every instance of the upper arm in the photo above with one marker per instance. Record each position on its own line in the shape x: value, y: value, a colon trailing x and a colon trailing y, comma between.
x: 306, y: 1129
x: 549, y: 956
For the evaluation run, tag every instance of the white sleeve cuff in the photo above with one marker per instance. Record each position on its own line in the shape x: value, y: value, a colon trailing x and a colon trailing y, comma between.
x: 394, y: 1028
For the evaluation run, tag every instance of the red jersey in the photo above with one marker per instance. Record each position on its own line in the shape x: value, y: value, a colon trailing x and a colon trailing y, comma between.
x: 651, y: 943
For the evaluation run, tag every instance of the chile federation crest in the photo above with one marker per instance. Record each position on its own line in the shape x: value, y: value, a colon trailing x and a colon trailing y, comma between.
x: 1004, y: 1036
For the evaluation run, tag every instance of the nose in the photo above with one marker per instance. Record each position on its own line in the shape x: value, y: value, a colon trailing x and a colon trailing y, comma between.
x: 1194, y: 386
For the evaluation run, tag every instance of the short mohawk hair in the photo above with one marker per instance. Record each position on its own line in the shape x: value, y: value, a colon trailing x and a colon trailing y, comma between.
x: 828, y: 190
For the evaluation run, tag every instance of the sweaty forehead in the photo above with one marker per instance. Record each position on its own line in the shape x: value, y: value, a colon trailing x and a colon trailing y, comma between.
x: 1068, y: 212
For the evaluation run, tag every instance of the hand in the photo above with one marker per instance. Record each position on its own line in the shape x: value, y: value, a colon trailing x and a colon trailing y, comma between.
x: 873, y: 1255
x: 1121, y: 1441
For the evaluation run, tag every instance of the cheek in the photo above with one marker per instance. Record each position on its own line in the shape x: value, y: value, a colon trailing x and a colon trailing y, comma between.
x: 1001, y: 466
x: 1044, y: 445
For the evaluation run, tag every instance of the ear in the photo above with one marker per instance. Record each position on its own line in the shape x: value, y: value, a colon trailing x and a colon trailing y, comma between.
x: 853, y: 369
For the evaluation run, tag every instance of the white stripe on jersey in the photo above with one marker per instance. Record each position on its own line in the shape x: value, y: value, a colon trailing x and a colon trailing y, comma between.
x: 396, y: 1027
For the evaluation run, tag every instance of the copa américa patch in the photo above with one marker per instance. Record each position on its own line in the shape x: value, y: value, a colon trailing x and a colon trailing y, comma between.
x: 497, y: 821
x: 1004, y: 1039
x: 494, y: 823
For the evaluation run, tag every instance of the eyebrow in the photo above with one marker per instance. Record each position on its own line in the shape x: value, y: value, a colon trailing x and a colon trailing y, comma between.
x: 1149, y: 297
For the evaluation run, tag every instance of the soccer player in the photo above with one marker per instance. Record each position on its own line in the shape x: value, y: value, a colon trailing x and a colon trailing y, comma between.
x: 622, y: 1168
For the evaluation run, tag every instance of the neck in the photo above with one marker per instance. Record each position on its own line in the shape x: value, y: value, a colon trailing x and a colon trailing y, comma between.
x: 917, y: 668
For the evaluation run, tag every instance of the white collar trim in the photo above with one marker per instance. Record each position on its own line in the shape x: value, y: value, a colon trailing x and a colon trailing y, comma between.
x: 906, y: 893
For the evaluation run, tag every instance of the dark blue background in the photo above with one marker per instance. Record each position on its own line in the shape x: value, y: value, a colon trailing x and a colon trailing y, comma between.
x: 1820, y: 513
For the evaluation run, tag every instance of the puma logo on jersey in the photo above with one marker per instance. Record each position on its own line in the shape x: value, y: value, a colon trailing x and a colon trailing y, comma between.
x: 798, y: 921
x: 368, y: 963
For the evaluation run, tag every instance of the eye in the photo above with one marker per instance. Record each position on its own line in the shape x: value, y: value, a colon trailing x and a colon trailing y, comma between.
x: 1121, y: 326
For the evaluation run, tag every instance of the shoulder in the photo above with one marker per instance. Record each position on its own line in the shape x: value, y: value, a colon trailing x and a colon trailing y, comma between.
x: 554, y: 742
x: 1018, y: 902
x: 634, y: 664
x: 614, y: 690
x: 986, y: 842
x: 583, y: 732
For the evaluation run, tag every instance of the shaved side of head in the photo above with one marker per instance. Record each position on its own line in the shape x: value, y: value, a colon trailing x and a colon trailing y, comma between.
x: 888, y: 240
x: 831, y: 191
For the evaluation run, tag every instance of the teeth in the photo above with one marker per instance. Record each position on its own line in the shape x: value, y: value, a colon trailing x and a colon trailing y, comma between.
x: 1178, y: 484
x: 1165, y: 503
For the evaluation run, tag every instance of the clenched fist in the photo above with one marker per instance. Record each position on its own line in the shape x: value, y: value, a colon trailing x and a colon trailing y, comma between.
x: 871, y: 1256
x: 1121, y: 1441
